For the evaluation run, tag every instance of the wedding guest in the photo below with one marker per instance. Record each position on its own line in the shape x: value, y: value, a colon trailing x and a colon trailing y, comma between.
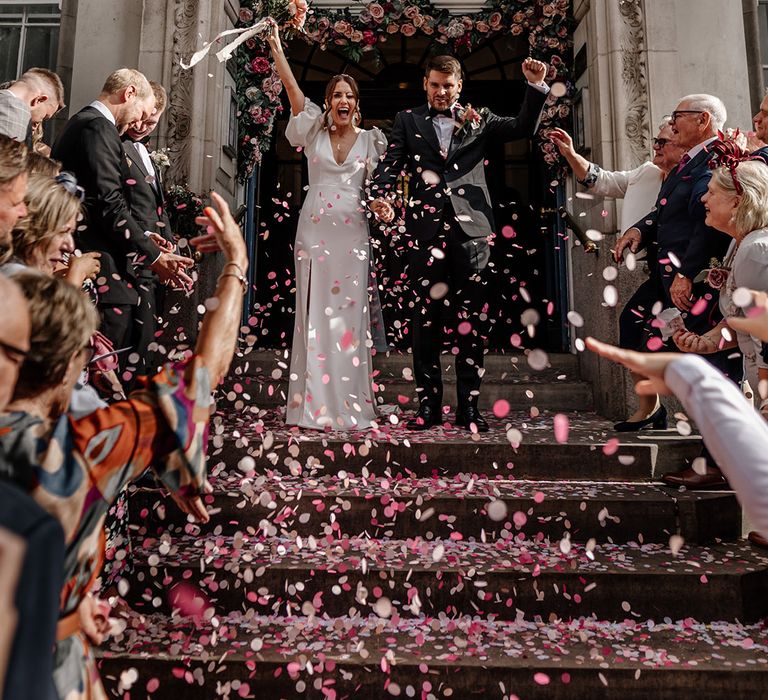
x: 330, y: 376
x: 735, y: 204
x: 35, y: 97
x: 679, y: 243
x: 164, y: 425
x: 13, y: 187
x: 735, y: 434
x: 42, y: 165
x: 637, y: 188
x: 31, y: 544
x: 144, y: 195
x: 90, y: 147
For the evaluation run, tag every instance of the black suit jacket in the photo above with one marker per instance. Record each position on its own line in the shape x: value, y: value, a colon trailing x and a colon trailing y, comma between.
x: 91, y: 148
x: 676, y: 224
x: 414, y: 148
x: 30, y: 667
x: 144, y: 194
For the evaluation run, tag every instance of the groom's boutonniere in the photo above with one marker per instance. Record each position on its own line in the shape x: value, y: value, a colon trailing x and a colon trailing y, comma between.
x: 160, y: 158
x: 469, y: 118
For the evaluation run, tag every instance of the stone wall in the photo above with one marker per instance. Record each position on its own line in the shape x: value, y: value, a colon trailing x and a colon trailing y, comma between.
x: 642, y: 56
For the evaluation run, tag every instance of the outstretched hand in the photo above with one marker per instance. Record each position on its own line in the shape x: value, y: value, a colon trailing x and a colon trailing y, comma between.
x: 221, y: 233
x: 562, y: 140
x: 273, y: 38
x: 650, y: 365
x: 534, y: 71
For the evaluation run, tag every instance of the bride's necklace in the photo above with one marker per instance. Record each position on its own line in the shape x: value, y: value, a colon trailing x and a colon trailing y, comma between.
x: 342, y: 145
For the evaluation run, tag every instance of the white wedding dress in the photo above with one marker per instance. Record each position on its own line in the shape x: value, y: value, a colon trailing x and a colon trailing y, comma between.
x: 330, y: 375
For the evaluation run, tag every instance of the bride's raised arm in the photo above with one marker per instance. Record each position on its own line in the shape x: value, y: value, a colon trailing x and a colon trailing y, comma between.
x: 295, y: 94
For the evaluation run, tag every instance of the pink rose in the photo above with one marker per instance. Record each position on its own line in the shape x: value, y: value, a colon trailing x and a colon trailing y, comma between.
x: 482, y: 27
x: 369, y: 38
x: 408, y: 29
x: 298, y: 10
x: 516, y: 30
x: 323, y: 24
x: 376, y: 10
x: 342, y: 27
x: 418, y: 20
x: 411, y: 11
x: 467, y: 22
x: 356, y: 36
x: 260, y: 65
x: 427, y: 29
x: 549, y: 10
x: 246, y: 15
x: 392, y: 28
x: 495, y: 20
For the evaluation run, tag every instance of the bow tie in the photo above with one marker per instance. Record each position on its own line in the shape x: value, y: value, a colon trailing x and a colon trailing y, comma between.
x: 440, y: 113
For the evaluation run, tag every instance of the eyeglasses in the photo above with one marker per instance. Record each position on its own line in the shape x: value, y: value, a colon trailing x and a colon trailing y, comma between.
x: 14, y: 354
x: 660, y: 143
x: 678, y: 112
x: 69, y: 182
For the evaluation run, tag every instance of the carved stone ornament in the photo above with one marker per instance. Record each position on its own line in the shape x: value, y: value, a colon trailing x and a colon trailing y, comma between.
x: 180, y: 94
x: 634, y: 77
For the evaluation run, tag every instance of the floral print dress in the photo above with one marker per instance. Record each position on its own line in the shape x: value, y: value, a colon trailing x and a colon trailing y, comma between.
x: 75, y: 469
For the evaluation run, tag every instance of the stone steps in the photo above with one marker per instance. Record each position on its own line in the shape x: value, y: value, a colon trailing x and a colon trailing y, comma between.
x: 243, y: 655
x: 359, y: 576
x: 518, y: 446
x: 471, y: 504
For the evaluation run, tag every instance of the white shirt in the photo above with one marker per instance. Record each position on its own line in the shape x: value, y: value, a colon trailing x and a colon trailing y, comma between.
x: 101, y: 107
x: 149, y: 166
x: 699, y: 147
x: 735, y: 434
x: 444, y: 126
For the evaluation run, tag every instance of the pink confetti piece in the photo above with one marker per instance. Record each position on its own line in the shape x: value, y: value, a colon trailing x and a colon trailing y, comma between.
x: 562, y: 426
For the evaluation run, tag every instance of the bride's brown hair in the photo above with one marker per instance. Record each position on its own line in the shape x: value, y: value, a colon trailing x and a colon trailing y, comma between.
x: 329, y: 90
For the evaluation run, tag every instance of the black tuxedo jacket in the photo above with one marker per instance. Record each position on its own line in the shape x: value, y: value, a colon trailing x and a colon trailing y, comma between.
x: 144, y: 194
x: 676, y: 224
x: 91, y: 148
x: 414, y: 148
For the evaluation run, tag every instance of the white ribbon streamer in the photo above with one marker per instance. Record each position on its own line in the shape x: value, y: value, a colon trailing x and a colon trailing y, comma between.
x: 225, y: 54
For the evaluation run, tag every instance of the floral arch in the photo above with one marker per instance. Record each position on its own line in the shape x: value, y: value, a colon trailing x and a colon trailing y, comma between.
x: 547, y: 24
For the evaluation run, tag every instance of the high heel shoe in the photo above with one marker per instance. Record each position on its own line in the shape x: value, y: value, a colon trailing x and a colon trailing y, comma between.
x: 657, y: 420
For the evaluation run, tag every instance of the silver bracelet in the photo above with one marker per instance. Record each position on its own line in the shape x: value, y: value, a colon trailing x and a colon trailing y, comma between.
x: 240, y: 278
x: 234, y: 264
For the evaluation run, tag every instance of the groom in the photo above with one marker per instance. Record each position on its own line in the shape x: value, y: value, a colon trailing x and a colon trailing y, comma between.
x: 442, y: 147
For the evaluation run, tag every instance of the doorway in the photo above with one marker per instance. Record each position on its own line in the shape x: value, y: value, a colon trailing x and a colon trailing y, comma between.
x: 528, y: 261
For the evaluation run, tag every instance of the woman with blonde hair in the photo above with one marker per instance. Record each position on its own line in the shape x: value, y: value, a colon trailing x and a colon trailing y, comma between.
x: 75, y: 463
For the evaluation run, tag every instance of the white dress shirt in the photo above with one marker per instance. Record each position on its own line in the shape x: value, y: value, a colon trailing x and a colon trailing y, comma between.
x: 149, y: 166
x: 444, y: 125
x: 101, y: 107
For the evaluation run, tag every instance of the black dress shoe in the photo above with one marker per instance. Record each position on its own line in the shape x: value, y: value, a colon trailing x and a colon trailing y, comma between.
x: 657, y: 420
x: 426, y: 417
x: 466, y: 416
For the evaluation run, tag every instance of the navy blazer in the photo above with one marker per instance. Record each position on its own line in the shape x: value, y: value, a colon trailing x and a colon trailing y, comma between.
x: 30, y: 667
x: 414, y: 148
x: 676, y: 224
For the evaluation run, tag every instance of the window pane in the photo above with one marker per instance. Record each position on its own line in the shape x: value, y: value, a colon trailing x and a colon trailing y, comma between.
x: 41, y: 47
x: 9, y: 52
x: 46, y: 9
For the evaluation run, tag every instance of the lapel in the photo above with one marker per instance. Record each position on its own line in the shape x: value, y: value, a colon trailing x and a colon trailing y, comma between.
x: 134, y: 156
x: 425, y: 127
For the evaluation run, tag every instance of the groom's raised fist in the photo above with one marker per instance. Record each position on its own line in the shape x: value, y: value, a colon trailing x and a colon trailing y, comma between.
x: 534, y: 71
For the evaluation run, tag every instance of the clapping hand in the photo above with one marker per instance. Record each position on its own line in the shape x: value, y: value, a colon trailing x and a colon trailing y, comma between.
x: 534, y: 71
x: 222, y: 233
x: 82, y: 267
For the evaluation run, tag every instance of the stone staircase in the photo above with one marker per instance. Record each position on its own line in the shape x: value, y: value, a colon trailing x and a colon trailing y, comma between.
x: 541, y: 559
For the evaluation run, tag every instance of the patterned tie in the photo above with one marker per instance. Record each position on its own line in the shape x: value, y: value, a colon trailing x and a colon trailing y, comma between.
x: 683, y: 162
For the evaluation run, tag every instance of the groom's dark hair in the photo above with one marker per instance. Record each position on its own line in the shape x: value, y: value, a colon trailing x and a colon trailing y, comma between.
x: 443, y: 64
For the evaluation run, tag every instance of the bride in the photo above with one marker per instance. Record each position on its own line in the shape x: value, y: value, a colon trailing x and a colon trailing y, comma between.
x: 330, y: 376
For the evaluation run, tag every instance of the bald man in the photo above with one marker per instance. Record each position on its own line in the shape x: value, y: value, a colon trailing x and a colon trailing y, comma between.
x: 31, y: 543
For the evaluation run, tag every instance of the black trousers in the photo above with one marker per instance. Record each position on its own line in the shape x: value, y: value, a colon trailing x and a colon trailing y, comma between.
x: 132, y: 326
x: 449, y: 273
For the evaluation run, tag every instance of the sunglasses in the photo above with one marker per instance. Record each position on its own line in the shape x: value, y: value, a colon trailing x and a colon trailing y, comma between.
x: 660, y: 143
x: 678, y: 112
x: 69, y: 182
